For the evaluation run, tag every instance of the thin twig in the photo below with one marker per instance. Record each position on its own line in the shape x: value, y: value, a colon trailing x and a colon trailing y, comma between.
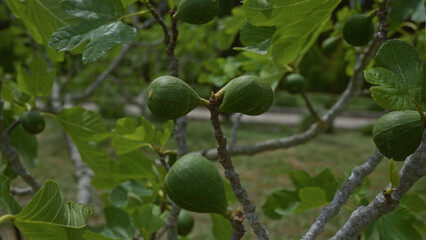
x: 340, y: 199
x: 311, y: 108
x: 13, y: 126
x: 173, y: 62
x: 233, y: 177
x: 164, y: 162
x: 160, y: 21
x: 12, y: 156
x: 181, y: 123
x: 238, y: 227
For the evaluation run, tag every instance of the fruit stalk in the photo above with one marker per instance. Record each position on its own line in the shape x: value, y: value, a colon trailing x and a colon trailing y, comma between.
x: 233, y: 177
x: 311, y: 109
x: 12, y: 126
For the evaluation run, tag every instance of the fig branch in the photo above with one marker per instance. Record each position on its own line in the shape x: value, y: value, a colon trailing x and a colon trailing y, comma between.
x: 12, y: 156
x: 352, y: 89
x: 413, y: 169
x: 340, y: 199
x: 233, y: 177
x: 170, y: 41
x: 12, y: 126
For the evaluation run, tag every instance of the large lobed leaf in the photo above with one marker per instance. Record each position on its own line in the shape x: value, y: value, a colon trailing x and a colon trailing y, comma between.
x: 398, y: 77
x: 296, y: 22
x: 101, y: 25
x: 37, y: 82
x: 49, y: 216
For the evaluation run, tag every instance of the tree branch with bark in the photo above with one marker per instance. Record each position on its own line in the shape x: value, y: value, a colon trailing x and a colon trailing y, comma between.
x: 232, y: 176
x: 413, y: 169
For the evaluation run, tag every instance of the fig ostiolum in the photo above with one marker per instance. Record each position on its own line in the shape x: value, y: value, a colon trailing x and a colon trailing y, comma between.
x: 195, y: 184
x: 33, y: 122
x: 398, y: 134
x: 170, y: 98
x: 248, y: 94
x: 197, y: 11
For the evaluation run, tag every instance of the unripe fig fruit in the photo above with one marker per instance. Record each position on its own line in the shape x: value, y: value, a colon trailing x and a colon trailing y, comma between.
x: 194, y: 184
x: 294, y: 83
x: 171, y: 98
x: 398, y: 134
x: 358, y: 30
x: 248, y: 94
x: 197, y: 11
x: 330, y: 44
x: 185, y: 223
x: 33, y: 122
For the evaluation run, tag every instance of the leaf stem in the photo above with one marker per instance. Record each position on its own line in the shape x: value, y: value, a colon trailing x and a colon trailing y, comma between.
x: 134, y: 14
x: 7, y: 217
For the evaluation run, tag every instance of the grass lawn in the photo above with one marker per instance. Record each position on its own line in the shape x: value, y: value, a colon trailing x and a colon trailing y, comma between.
x: 260, y: 173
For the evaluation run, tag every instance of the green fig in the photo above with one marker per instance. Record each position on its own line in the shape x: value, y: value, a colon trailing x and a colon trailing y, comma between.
x: 398, y: 134
x: 358, y: 30
x: 194, y: 184
x: 170, y: 98
x: 247, y: 94
x: 32, y: 122
x: 295, y: 83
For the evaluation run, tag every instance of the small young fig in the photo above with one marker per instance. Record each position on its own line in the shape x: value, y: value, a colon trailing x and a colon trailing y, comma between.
x: 294, y: 83
x: 32, y: 122
x: 398, y: 134
x: 358, y: 30
x: 195, y: 184
x: 197, y: 11
x: 330, y: 44
x: 247, y: 94
x: 171, y: 98
x: 185, y: 223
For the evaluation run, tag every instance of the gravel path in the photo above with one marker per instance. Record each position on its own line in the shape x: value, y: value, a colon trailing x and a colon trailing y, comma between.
x: 279, y: 116
x: 349, y: 121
